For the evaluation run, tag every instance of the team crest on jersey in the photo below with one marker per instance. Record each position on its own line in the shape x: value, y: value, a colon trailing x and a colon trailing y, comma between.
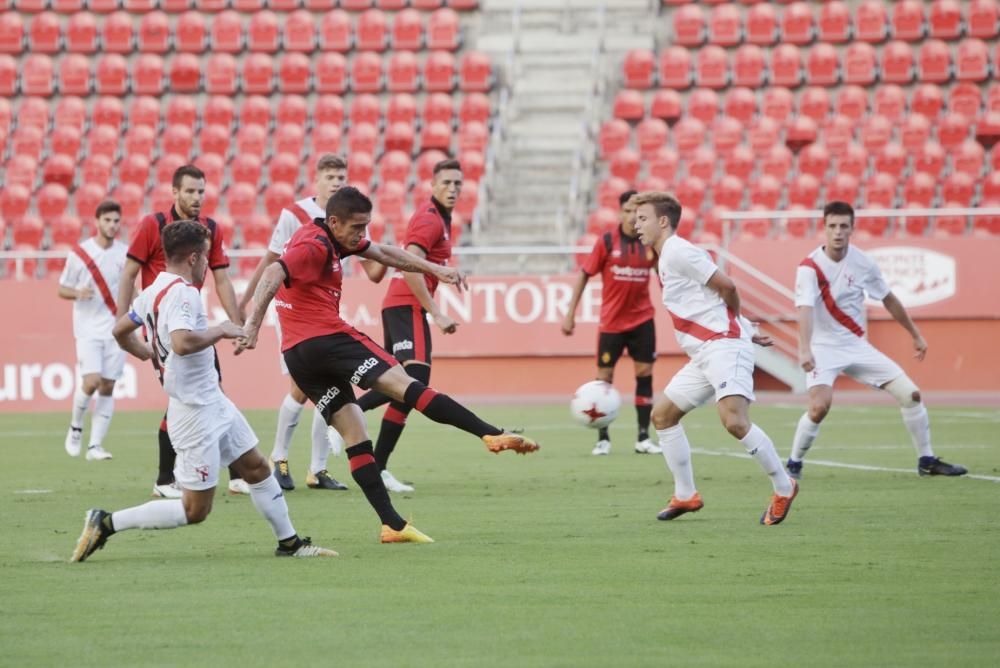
x: 616, y: 253
x: 606, y: 357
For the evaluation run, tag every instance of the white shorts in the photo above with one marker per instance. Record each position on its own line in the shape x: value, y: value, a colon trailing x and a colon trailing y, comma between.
x: 723, y: 367
x: 205, y: 439
x: 100, y: 356
x: 860, y: 360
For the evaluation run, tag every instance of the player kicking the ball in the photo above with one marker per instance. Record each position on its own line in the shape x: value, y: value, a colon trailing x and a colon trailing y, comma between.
x: 705, y: 308
x: 205, y: 427
x: 830, y: 288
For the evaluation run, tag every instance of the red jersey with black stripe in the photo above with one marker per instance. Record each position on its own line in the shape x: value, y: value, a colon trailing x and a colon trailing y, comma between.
x: 430, y: 229
x: 308, y: 304
x: 146, y: 245
x: 624, y: 265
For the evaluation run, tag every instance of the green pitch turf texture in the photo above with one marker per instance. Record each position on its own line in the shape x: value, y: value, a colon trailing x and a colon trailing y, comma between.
x: 554, y: 559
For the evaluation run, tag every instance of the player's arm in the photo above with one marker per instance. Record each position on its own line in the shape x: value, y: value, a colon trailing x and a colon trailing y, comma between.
x: 74, y: 294
x: 407, y: 261
x: 187, y: 341
x: 227, y: 295
x: 124, y: 333
x: 267, y: 287
x: 569, y: 322
x: 418, y: 287
x: 899, y: 314
x: 126, y: 286
x: 374, y: 270
x: 727, y: 290
x: 269, y: 258
x: 806, y: 360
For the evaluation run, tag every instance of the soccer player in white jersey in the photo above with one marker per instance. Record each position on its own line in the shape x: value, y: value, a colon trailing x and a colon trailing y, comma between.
x: 331, y: 174
x: 830, y: 288
x: 90, y: 279
x: 206, y: 429
x: 705, y: 308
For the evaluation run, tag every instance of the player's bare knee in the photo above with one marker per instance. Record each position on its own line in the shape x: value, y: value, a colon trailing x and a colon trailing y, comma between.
x: 665, y: 414
x: 90, y: 384
x: 257, y: 473
x: 903, y: 390
x: 818, y: 411
x: 106, y: 387
x: 916, y: 397
x: 737, y: 425
x: 197, y: 511
x: 297, y: 394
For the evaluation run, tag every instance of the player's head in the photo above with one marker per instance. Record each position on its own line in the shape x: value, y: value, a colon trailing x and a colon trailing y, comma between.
x: 189, y: 190
x: 626, y: 211
x: 186, y: 244
x: 838, y: 224
x: 348, y: 213
x: 109, y: 219
x: 331, y: 175
x: 446, y: 184
x: 657, y: 215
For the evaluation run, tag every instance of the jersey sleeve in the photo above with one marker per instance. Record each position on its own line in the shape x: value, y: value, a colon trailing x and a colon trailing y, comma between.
x: 806, y: 287
x: 283, y: 231
x: 692, y: 262
x: 875, y: 283
x: 594, y: 264
x: 138, y: 311
x: 304, y: 261
x: 217, y: 257
x: 141, y: 245
x: 70, y: 276
x: 180, y: 309
x: 423, y: 231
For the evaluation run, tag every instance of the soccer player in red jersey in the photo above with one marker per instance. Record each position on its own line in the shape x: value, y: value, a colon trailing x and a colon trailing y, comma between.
x: 626, y: 315
x: 326, y: 356
x: 145, y: 255
x: 408, y: 301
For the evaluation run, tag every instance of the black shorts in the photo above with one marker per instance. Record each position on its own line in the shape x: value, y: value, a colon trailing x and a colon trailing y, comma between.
x: 407, y: 333
x: 640, y: 342
x: 327, y: 366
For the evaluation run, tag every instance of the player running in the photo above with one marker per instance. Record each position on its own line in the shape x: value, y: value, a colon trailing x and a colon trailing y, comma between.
x: 705, y: 308
x: 830, y: 288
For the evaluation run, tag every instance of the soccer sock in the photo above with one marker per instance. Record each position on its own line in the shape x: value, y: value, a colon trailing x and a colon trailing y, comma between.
x: 320, y: 443
x: 288, y: 420
x: 761, y: 448
x: 151, y: 515
x: 80, y: 403
x: 442, y: 408
x: 393, y: 423
x: 336, y: 441
x: 104, y: 408
x: 602, y: 434
x: 372, y: 399
x: 643, y: 404
x: 919, y: 425
x: 165, y: 476
x: 805, y: 434
x: 677, y: 452
x: 365, y: 472
x: 269, y: 501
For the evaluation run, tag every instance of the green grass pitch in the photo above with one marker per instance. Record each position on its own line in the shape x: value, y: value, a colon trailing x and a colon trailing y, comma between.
x: 555, y: 559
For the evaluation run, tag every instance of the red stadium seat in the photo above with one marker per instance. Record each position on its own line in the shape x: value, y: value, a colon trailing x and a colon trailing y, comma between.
x: 897, y: 63
x: 246, y: 168
x: 725, y: 25
x: 255, y: 110
x: 666, y: 105
x: 651, y: 135
x: 181, y: 110
x: 284, y: 168
x: 834, y: 23
x: 177, y: 139
x: 916, y: 130
x: 749, y: 66
x: 69, y: 111
x: 328, y: 109
x: 294, y: 73
x: 474, y: 107
x: 21, y: 170
x: 59, y: 169
x: 919, y: 189
x: 258, y: 74
x: 613, y: 137
x: 426, y: 162
x: 797, y: 24
x: 403, y: 73
x: 860, y: 64
x: 475, y: 72
x: 953, y: 130
x: 74, y: 74
x: 930, y: 159
x: 689, y: 26
x: 965, y: 99
x: 959, y: 187
x: 712, y: 67
x: 147, y: 75
x: 728, y: 192
x: 360, y: 170
x: 401, y: 109
x: 946, y: 19
x: 675, y: 67
x: 801, y: 132
x: 691, y: 192
x: 843, y: 188
x: 139, y: 6
x: 227, y: 32
x: 8, y: 75
x: 852, y: 159
x: 701, y: 163
x: 689, y: 134
x: 778, y: 103
x: 983, y: 17
x: 871, y: 23
x: 335, y: 31
x: 263, y: 32
x: 362, y: 138
x: 435, y: 135
x: 299, y: 32
x: 664, y: 164
x: 927, y: 100
x: 34, y: 112
x: 437, y: 107
x: 628, y: 105
x: 950, y: 225
x: 365, y: 109
x: 740, y: 103
x: 991, y: 187
x: 763, y: 133
x: 891, y: 160
x: 221, y: 74
x: 131, y: 198
x: 934, y: 62
x: 190, y: 32
x: 823, y: 66
x: 777, y: 162
x: 968, y: 158
x: 112, y: 75
x: 988, y: 130
x: 394, y: 166
x: 185, y: 73
x: 140, y: 140
x: 44, y: 34
x: 166, y: 165
x: 638, y: 68
x: 241, y: 200
x: 289, y: 138
x: 852, y: 102
x: 103, y: 140
x: 154, y: 33
x: 116, y: 33
x: 814, y: 160
x: 331, y: 73
x: 37, y: 76
x: 27, y: 233
x: 372, y: 31
x: 28, y: 141
x: 408, y: 31
x: 890, y: 101
x: 66, y: 231
x: 972, y: 62
x: 652, y: 183
x: 703, y: 104
x: 443, y: 30
x: 134, y: 169
x: 876, y: 133
x: 14, y: 201
x: 81, y: 33
x: 215, y: 139
x: 473, y: 136
x: 601, y: 220
x: 765, y: 192
x: 11, y: 33
x: 292, y: 109
x: 762, y: 25
x: 366, y: 72
x: 814, y: 103
x: 65, y: 140
x: 251, y: 139
x: 908, y: 20
x: 473, y: 164
x: 625, y: 165
x: 96, y: 170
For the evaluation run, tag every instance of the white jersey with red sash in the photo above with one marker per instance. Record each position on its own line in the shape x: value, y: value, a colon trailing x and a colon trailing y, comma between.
x: 89, y: 265
x: 290, y: 220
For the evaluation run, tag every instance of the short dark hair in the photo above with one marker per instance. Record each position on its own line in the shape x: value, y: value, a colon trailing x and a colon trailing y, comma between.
x: 182, y: 237
x: 449, y: 163
x: 330, y: 161
x: 664, y: 204
x: 346, y: 202
x: 108, y: 206
x: 186, y: 170
x: 624, y: 197
x: 838, y: 208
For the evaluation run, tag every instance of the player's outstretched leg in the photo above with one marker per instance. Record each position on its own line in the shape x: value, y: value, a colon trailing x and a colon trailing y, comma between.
x: 918, y: 423
x: 666, y: 417
x: 365, y: 472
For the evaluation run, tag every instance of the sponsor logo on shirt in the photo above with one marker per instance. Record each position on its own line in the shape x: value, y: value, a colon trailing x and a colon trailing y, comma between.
x: 325, y: 400
x: 402, y: 345
x: 364, y: 368
x: 630, y: 273
x: 282, y: 304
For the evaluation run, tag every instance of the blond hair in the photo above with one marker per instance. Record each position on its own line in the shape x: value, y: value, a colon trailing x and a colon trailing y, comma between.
x: 664, y: 204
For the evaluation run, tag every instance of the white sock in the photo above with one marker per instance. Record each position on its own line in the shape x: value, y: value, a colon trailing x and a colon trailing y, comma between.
x: 805, y: 434
x: 336, y: 441
x: 80, y: 403
x: 104, y: 408
x: 288, y: 420
x: 320, y: 443
x: 677, y: 452
x: 761, y: 448
x: 919, y: 425
x: 269, y: 501
x: 152, y: 515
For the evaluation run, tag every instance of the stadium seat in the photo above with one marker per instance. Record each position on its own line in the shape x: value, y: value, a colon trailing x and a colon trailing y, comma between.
x: 241, y: 201
x: 987, y: 225
x: 365, y: 109
x: 372, y: 31
x: 834, y: 24
x: 131, y: 198
x: 299, y: 32
x: 226, y: 33
x: 959, y: 187
x: 952, y: 130
x: 251, y: 140
x: 154, y: 33
x: 945, y: 19
x: 258, y: 74
x: 968, y: 158
x: 65, y: 230
x: 112, y: 75
x: 934, y: 61
x: 666, y: 105
x: 762, y: 24
x: 601, y: 220
x: 74, y: 74
x: 140, y: 140
x: 366, y: 72
x: 814, y: 103
x: 763, y: 133
x: 363, y: 138
x: 288, y: 138
x: 328, y: 109
x: 177, y: 139
x: 972, y: 62
x: 246, y: 168
x: 335, y: 31
x: 740, y: 103
x: 11, y: 33
x: 777, y: 162
x: 728, y: 192
x: 70, y: 111
x: 703, y: 104
x: 609, y: 190
x: 139, y: 6
x: 950, y: 225
x: 263, y: 32
x: 860, y: 64
x: 257, y: 227
x: 96, y: 169
x: 331, y: 73
x: 8, y: 75
x: 891, y: 160
x: 712, y: 67
x: 639, y: 67
x: 27, y: 233
x: 44, y: 33
x: 701, y: 163
x: 65, y: 140
x: 255, y: 110
x: 871, y: 23
x: 402, y: 73
x: 134, y: 168
x: 915, y: 130
x: 897, y: 63
x: 37, y: 75
x: 988, y: 131
x: 652, y: 183
x: 965, y: 99
x: 890, y: 101
x: 814, y: 160
x: 991, y: 187
x: 823, y: 66
x: 475, y: 72
x: 473, y: 136
x: 908, y: 20
x: 294, y: 73
x: 473, y: 164
x: 292, y: 109
x: 613, y: 137
x: 81, y: 33
x: 749, y: 66
x: 408, y: 31
x: 983, y: 18
x: 691, y: 192
x: 927, y: 100
x: 628, y: 105
x: 147, y: 74
x: 34, y: 112
x: 443, y: 30
x: 876, y: 133
x: 185, y: 73
x: 844, y: 188
x: 725, y: 25
x: 181, y: 110
x: 284, y: 168
x: 395, y: 166
x: 87, y: 197
x: 425, y: 164
x: 930, y: 159
x: 474, y: 107
x: 221, y: 74
x: 689, y: 26
x: 689, y: 134
x: 22, y: 169
x: 801, y: 131
x: 360, y: 170
x: 190, y: 32
x: 765, y: 192
x: 853, y: 161
x: 852, y: 102
x: 103, y: 140
x: 437, y: 107
x: 675, y: 67
x: 27, y: 141
x: 664, y: 164
x: 14, y: 201
x: 777, y: 103
x: 919, y: 189
x: 59, y: 169
x: 651, y: 135
x: 797, y: 24
x: 435, y: 135
x: 740, y: 162
x: 214, y: 139
x: 116, y: 33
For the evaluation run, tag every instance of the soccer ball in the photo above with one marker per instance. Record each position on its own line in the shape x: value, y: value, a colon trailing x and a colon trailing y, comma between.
x: 595, y: 404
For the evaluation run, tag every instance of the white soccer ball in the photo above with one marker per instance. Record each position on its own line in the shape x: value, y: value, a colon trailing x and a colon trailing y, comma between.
x: 595, y: 404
